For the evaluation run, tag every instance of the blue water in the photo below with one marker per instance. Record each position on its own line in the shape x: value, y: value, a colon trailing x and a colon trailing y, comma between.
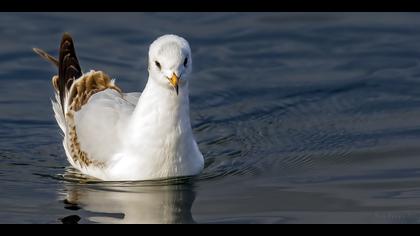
x: 301, y: 117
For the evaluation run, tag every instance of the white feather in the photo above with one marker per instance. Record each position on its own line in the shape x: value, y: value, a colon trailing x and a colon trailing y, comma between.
x: 58, y: 113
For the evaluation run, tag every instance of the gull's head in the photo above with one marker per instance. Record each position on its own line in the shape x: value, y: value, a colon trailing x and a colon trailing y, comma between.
x: 170, y: 61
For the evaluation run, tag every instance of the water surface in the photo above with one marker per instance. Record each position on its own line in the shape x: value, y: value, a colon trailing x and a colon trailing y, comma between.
x: 301, y: 117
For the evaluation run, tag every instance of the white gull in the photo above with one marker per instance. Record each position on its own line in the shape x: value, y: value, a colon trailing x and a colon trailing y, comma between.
x: 116, y: 136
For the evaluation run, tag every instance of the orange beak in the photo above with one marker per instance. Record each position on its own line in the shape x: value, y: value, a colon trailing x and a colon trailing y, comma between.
x: 174, y: 81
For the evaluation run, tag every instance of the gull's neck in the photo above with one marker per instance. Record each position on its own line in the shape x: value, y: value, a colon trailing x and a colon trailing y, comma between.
x: 162, y: 103
x: 160, y: 117
x: 159, y: 142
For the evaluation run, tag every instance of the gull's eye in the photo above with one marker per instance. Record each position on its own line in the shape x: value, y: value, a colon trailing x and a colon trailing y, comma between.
x: 186, y: 61
x: 158, y: 65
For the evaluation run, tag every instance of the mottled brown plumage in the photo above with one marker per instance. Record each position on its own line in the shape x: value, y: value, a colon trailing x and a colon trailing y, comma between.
x: 88, y: 85
x: 80, y: 92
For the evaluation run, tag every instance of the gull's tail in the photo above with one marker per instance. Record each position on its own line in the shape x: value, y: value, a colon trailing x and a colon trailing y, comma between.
x: 68, y: 71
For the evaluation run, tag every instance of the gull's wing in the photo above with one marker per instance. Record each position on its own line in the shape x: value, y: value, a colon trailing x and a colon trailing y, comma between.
x: 90, y: 109
x: 132, y: 98
x: 100, y: 124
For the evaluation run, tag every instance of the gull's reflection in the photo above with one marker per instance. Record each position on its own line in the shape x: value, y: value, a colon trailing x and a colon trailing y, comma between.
x: 130, y: 202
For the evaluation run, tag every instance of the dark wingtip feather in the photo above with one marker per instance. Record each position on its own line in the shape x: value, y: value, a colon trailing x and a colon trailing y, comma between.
x: 69, y: 67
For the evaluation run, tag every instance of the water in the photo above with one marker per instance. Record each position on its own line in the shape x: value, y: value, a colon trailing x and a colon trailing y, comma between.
x: 301, y: 117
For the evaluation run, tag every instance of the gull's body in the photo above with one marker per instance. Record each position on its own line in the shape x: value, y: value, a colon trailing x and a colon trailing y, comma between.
x: 115, y: 136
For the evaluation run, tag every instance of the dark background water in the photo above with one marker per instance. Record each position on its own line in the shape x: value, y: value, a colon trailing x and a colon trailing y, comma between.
x: 301, y: 117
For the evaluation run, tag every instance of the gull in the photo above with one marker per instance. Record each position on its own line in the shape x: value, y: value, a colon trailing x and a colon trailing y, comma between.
x: 116, y: 136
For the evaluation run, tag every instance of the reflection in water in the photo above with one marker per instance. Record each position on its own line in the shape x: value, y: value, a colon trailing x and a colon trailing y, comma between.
x: 130, y: 203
